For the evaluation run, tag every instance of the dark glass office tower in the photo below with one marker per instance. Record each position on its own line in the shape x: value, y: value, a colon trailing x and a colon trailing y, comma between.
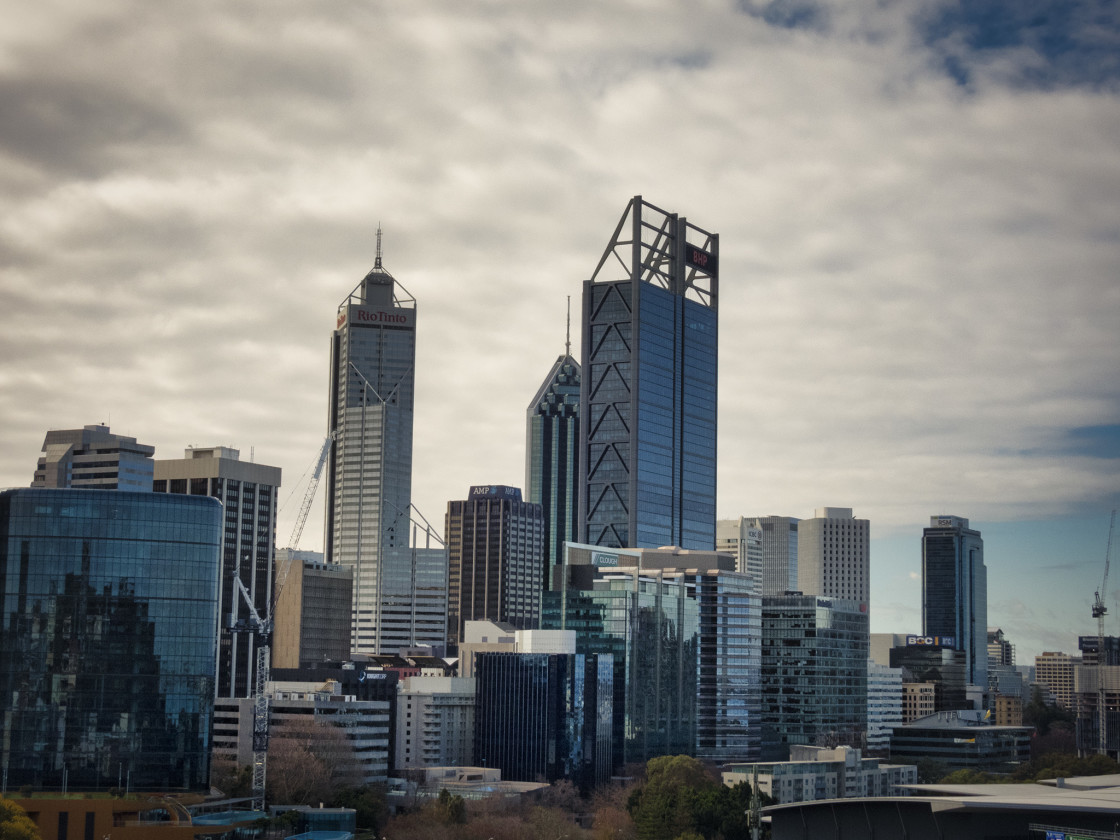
x: 108, y: 637
x: 955, y: 591
x: 648, y: 405
x: 552, y: 457
x: 545, y: 716
x: 494, y: 546
x: 369, y: 476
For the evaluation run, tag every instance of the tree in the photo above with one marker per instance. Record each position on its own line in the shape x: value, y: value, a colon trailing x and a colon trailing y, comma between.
x: 15, y: 824
x: 368, y: 802
x: 681, y: 797
x: 234, y: 781
x: 308, y: 760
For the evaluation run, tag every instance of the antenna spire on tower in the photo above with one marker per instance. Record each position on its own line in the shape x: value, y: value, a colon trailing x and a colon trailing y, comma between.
x: 568, y: 334
x: 377, y: 260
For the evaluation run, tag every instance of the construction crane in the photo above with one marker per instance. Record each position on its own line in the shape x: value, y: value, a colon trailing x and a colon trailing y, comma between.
x: 262, y: 629
x: 309, y: 496
x: 1099, y: 610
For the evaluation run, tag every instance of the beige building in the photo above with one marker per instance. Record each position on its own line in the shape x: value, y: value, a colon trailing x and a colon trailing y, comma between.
x: 918, y: 700
x: 834, y: 555
x: 1008, y: 711
x: 309, y: 626
x: 1055, y: 669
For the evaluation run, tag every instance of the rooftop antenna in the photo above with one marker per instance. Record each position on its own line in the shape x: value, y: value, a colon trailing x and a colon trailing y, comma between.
x: 568, y: 334
x: 377, y: 261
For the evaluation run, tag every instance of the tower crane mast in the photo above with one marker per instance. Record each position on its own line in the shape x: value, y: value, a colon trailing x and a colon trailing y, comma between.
x: 262, y: 629
x: 1099, y: 611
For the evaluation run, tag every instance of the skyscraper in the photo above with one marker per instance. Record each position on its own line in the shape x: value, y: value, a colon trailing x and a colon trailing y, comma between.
x: 648, y: 404
x: 552, y: 456
x: 93, y: 457
x: 248, y: 493
x: 494, y: 546
x: 369, y: 475
x: 834, y: 555
x: 955, y: 591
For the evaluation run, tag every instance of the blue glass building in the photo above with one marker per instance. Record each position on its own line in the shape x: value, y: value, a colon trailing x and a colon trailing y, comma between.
x: 814, y: 673
x: 955, y: 591
x: 648, y: 404
x: 649, y: 622
x: 107, y: 638
x: 552, y: 458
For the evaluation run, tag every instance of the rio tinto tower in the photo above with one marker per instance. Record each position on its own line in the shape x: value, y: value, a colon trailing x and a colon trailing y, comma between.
x: 369, y: 477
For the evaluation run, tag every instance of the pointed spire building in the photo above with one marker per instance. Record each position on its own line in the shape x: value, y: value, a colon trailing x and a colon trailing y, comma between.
x: 552, y: 455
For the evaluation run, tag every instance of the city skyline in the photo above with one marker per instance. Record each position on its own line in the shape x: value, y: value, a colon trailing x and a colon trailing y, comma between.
x: 918, y: 217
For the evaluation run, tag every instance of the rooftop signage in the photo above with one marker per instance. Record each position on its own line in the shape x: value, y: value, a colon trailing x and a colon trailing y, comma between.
x: 931, y: 641
x: 364, y: 316
x: 602, y: 558
x: 495, y: 491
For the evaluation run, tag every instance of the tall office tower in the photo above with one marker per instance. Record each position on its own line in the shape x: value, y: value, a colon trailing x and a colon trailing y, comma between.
x: 308, y: 626
x: 552, y: 456
x: 248, y: 493
x: 834, y: 555
x: 955, y: 591
x: 742, y: 538
x: 494, y: 546
x: 93, y: 457
x: 814, y: 673
x: 369, y: 474
x: 107, y: 639
x: 648, y: 405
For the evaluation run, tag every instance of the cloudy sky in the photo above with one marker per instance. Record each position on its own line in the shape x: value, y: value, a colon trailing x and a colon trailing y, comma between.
x: 918, y: 203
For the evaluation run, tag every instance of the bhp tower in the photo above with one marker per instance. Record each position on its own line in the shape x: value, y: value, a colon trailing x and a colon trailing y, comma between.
x: 648, y: 403
x: 369, y: 476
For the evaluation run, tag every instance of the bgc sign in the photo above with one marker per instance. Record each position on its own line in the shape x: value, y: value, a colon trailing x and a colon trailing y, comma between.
x: 931, y: 641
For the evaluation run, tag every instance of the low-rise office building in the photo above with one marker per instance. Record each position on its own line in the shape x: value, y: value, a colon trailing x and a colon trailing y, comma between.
x: 962, y: 740
x: 814, y: 773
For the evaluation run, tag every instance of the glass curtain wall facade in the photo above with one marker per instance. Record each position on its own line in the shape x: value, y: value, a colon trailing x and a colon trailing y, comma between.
x: 955, y: 591
x: 729, y: 688
x: 648, y: 405
x: 814, y: 673
x: 552, y: 458
x: 650, y: 624
x: 107, y: 641
x: 544, y: 716
x: 369, y: 475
